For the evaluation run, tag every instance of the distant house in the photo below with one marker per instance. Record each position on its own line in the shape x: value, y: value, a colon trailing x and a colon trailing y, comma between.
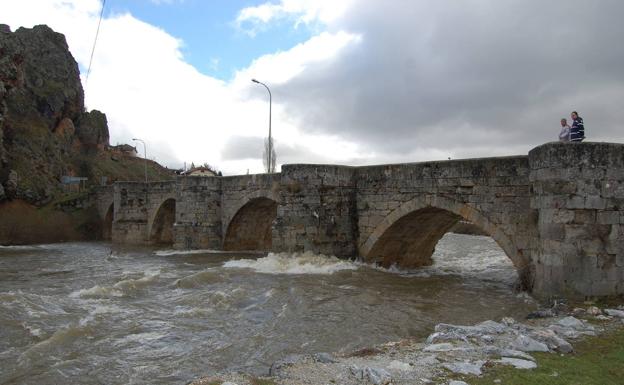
x: 200, y: 171
x: 124, y: 149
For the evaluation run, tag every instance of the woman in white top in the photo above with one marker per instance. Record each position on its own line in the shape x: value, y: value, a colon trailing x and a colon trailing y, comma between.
x: 564, y: 135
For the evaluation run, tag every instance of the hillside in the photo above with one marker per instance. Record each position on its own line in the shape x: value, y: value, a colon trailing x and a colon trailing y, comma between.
x: 45, y: 134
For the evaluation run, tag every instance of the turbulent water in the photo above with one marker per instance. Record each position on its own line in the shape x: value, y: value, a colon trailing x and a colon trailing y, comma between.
x: 89, y: 313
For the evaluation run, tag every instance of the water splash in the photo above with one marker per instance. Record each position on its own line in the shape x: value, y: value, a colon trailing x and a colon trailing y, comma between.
x: 298, y: 263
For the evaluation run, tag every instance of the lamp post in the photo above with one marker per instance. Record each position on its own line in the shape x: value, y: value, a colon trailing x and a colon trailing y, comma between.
x: 270, y: 151
x: 144, y: 155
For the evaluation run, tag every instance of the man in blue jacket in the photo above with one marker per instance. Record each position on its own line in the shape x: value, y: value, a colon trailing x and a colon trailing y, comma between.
x: 577, y: 131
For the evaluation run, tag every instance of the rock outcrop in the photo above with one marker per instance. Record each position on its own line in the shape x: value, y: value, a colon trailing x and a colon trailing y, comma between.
x: 44, y: 127
x: 45, y: 132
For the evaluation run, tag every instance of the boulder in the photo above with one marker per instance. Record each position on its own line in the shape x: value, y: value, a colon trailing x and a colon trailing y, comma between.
x: 496, y: 351
x: 373, y: 375
x: 593, y: 310
x: 615, y: 313
x: 443, y: 347
x: 554, y: 342
x: 324, y: 358
x: 527, y: 344
x: 544, y: 313
x: 279, y: 365
x: 518, y: 363
x: 484, y: 330
x: 473, y: 368
x: 572, y: 323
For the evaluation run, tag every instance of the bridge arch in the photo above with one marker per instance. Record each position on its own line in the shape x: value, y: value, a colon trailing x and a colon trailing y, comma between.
x: 251, y: 226
x: 161, y: 225
x: 408, y: 235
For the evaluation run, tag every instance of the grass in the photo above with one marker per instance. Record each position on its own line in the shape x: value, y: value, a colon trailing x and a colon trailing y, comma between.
x: 596, y: 361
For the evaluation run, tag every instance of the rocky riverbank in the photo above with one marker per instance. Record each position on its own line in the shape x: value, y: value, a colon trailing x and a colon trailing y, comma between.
x: 452, y: 351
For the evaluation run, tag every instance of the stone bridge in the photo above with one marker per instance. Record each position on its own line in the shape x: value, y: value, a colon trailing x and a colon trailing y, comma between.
x: 558, y: 213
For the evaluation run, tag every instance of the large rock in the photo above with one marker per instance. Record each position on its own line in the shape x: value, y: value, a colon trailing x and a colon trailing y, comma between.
x: 552, y: 340
x: 41, y: 75
x: 615, y: 313
x: 372, y: 375
x: 518, y: 363
x: 528, y: 344
x: 43, y: 126
x: 473, y: 368
x: 92, y: 129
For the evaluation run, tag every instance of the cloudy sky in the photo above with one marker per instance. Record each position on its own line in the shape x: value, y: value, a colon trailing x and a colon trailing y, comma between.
x: 353, y: 81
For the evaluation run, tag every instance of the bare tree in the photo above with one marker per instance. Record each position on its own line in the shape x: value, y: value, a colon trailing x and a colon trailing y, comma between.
x: 265, y: 156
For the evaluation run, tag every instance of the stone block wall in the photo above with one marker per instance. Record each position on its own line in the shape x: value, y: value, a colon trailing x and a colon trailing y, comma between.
x: 491, y: 193
x: 317, y: 210
x: 578, y: 190
x: 558, y: 213
x: 237, y: 191
x: 131, y: 212
x: 198, y: 213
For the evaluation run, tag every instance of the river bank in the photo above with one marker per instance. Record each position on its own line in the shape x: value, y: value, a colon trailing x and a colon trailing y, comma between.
x: 454, y: 354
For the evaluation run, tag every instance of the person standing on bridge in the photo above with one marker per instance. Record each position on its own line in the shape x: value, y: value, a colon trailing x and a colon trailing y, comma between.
x: 564, y: 135
x: 577, y: 131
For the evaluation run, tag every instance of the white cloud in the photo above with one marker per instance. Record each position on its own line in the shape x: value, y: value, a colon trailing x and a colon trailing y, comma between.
x: 379, y: 83
x: 256, y: 18
x: 140, y: 80
x: 283, y: 66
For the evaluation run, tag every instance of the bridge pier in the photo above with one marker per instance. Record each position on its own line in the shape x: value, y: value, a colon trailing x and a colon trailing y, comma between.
x: 317, y: 210
x: 558, y: 213
x: 578, y: 191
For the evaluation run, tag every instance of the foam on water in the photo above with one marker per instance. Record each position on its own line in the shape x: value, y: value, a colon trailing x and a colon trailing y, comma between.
x: 19, y: 247
x: 97, y: 291
x: 199, y: 279
x: 167, y: 253
x: 119, y: 289
x: 298, y: 263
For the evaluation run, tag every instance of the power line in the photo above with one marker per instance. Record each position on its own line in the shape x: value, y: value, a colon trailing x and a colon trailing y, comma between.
x: 97, y: 32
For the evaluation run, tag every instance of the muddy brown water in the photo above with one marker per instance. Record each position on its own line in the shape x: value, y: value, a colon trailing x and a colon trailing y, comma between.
x: 93, y: 313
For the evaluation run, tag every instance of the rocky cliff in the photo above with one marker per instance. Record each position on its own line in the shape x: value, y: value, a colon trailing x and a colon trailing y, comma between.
x: 45, y: 132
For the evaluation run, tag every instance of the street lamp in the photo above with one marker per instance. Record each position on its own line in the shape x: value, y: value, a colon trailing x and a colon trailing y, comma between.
x: 270, y: 151
x: 144, y: 155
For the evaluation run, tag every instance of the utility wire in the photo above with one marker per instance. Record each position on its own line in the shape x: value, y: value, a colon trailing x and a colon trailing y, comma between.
x: 97, y: 32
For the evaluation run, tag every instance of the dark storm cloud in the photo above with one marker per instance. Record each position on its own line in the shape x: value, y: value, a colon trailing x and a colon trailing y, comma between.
x: 471, y: 77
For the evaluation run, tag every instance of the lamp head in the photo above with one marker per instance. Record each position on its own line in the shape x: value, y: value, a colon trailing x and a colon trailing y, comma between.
x: 255, y: 81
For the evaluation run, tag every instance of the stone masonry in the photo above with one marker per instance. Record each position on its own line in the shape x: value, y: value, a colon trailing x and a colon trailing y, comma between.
x: 558, y: 213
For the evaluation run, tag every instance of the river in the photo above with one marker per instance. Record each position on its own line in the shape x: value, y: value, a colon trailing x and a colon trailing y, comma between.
x: 94, y: 313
